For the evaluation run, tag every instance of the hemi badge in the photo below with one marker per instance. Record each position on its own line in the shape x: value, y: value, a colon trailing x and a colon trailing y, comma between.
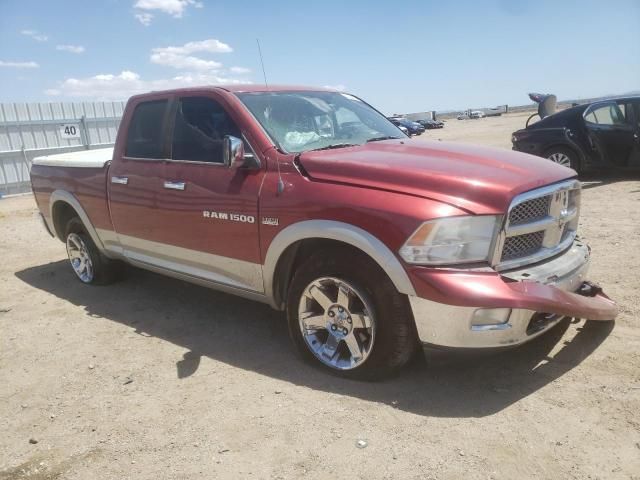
x: 273, y: 221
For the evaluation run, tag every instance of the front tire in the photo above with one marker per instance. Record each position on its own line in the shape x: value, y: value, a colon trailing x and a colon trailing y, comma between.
x: 90, y: 266
x: 345, y: 315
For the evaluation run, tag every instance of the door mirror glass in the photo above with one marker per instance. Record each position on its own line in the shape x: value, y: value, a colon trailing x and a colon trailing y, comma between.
x: 233, y: 151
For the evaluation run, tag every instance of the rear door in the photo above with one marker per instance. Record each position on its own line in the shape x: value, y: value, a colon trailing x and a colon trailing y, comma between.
x: 135, y: 177
x: 633, y: 107
x: 209, y: 211
x: 611, y: 132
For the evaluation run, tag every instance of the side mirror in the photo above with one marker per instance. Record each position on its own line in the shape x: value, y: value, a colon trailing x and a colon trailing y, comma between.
x: 232, y: 151
x: 235, y: 156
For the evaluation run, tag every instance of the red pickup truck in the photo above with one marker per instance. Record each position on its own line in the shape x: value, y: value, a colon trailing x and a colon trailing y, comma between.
x: 310, y: 200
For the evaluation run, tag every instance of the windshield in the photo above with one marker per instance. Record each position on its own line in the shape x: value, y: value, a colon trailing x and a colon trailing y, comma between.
x: 302, y: 121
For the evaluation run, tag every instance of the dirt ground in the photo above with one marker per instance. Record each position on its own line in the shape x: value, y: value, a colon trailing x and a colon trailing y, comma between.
x: 153, y: 378
x: 489, y: 131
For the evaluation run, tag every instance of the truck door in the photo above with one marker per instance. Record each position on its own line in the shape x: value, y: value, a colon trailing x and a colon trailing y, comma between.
x: 209, y: 211
x: 611, y: 133
x: 134, y: 179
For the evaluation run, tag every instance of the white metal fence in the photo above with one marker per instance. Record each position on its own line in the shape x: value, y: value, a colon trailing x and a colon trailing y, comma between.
x: 29, y: 130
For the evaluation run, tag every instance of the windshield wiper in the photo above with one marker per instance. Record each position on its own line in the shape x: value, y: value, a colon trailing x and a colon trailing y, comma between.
x: 335, y: 145
x: 378, y: 139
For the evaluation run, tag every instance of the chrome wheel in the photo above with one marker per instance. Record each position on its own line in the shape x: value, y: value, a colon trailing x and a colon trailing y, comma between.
x: 336, y: 322
x: 79, y: 257
x: 560, y: 158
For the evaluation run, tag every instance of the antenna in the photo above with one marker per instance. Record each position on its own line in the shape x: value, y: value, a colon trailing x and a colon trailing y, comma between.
x: 280, y: 188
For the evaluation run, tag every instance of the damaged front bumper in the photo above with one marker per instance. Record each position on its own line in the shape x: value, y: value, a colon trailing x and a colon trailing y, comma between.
x: 471, y: 309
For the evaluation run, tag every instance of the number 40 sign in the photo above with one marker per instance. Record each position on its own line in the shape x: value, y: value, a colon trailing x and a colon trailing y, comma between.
x: 69, y: 131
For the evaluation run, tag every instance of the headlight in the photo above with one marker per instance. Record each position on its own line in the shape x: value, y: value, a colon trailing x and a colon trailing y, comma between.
x: 452, y: 240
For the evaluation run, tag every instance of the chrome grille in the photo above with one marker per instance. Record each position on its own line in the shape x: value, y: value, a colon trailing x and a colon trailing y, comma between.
x: 522, y: 245
x: 540, y: 223
x: 530, y: 210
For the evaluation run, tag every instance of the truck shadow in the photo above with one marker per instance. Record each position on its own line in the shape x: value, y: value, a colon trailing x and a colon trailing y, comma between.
x: 595, y: 180
x: 252, y: 336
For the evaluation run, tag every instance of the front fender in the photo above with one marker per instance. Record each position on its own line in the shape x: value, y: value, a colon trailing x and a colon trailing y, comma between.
x: 339, y: 231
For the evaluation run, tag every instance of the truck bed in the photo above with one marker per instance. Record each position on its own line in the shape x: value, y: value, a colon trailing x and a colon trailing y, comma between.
x: 83, y: 158
x: 81, y: 174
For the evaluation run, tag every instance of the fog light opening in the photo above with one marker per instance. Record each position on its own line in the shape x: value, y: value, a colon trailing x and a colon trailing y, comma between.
x: 490, y: 319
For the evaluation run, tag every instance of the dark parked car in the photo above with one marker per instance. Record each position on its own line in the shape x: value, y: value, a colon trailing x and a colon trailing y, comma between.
x: 431, y: 124
x: 601, y: 134
x: 413, y: 127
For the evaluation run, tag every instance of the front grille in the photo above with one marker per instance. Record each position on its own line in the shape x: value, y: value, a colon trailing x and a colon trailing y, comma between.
x: 540, y: 223
x: 522, y: 245
x: 530, y: 211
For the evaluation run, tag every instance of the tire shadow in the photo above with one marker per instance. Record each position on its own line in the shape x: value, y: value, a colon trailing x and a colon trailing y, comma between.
x: 601, y: 179
x: 252, y: 336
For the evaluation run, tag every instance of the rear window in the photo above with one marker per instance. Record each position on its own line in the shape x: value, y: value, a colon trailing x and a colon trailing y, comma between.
x: 607, y: 114
x: 144, y: 138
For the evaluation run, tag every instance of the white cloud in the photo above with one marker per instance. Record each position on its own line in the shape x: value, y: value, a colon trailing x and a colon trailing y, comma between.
x: 339, y: 87
x: 240, y: 70
x: 182, y: 62
x: 175, y: 8
x: 70, y: 48
x: 144, y: 18
x: 210, y: 45
x: 37, y: 36
x: 199, y: 71
x: 127, y: 83
x: 19, y: 64
x: 179, y: 57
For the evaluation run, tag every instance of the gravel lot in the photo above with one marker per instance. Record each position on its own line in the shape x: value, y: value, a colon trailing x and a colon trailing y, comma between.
x: 154, y: 378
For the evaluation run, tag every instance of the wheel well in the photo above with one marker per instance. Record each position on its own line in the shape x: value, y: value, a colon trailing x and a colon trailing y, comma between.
x: 564, y: 146
x: 295, y: 254
x: 62, y: 212
x: 559, y: 146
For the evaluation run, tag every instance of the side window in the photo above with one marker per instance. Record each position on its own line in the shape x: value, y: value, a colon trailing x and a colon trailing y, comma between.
x: 608, y: 114
x: 200, y: 127
x: 144, y: 138
x: 636, y: 110
x: 631, y: 110
x: 623, y: 110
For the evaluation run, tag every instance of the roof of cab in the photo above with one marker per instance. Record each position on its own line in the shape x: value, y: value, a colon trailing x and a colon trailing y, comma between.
x: 237, y: 88
x: 273, y: 88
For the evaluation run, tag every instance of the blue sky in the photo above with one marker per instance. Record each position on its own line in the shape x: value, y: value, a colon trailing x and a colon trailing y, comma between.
x: 400, y: 56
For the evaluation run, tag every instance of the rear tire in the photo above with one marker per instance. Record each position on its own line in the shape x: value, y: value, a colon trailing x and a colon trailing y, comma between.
x: 564, y: 156
x: 346, y: 316
x: 90, y: 266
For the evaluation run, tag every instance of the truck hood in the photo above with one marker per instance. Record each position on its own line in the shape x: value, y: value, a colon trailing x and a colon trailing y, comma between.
x: 478, y: 179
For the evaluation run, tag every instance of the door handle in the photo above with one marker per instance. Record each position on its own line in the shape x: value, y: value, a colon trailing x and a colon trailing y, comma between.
x: 174, y: 185
x: 120, y: 180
